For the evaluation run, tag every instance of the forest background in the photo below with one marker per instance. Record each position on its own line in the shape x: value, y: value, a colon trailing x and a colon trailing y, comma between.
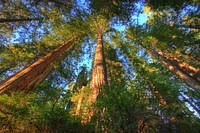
x: 94, y: 66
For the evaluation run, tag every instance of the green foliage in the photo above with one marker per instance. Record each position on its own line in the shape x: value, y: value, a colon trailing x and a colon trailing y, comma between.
x: 38, y: 112
x: 176, y: 5
x: 137, y: 82
x: 116, y: 8
x: 41, y: 14
x: 150, y: 76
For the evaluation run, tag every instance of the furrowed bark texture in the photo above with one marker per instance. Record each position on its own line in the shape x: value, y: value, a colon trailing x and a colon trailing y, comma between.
x: 191, y: 79
x: 192, y: 71
x: 41, y: 77
x: 99, y: 74
x: 21, y: 80
x: 48, y: 70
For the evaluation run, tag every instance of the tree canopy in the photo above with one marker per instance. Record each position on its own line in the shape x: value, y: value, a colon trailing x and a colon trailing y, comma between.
x: 92, y: 66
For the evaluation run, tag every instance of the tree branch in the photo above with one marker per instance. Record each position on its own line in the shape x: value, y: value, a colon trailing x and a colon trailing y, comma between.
x: 5, y: 20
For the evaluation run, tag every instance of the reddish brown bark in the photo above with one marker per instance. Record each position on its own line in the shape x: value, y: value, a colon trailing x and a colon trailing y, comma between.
x: 48, y: 70
x: 40, y: 78
x: 192, y: 71
x: 190, y: 80
x: 163, y: 102
x: 99, y: 74
x: 189, y: 57
x: 30, y: 74
x: 142, y: 126
x: 187, y: 73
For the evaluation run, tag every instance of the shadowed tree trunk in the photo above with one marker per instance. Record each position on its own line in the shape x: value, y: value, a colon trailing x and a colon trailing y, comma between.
x: 81, y: 80
x: 31, y: 74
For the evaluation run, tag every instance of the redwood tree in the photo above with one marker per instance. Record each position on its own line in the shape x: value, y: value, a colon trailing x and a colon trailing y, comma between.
x: 22, y: 79
x: 99, y: 72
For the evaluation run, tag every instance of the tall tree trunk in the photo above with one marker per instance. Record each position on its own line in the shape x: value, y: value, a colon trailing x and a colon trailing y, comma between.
x: 99, y: 78
x: 48, y: 70
x: 40, y: 78
x: 187, y: 73
x: 22, y: 79
x: 192, y: 71
x: 192, y: 81
x: 99, y: 73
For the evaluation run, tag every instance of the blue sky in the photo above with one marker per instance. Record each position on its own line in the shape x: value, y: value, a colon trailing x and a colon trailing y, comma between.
x: 141, y: 18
